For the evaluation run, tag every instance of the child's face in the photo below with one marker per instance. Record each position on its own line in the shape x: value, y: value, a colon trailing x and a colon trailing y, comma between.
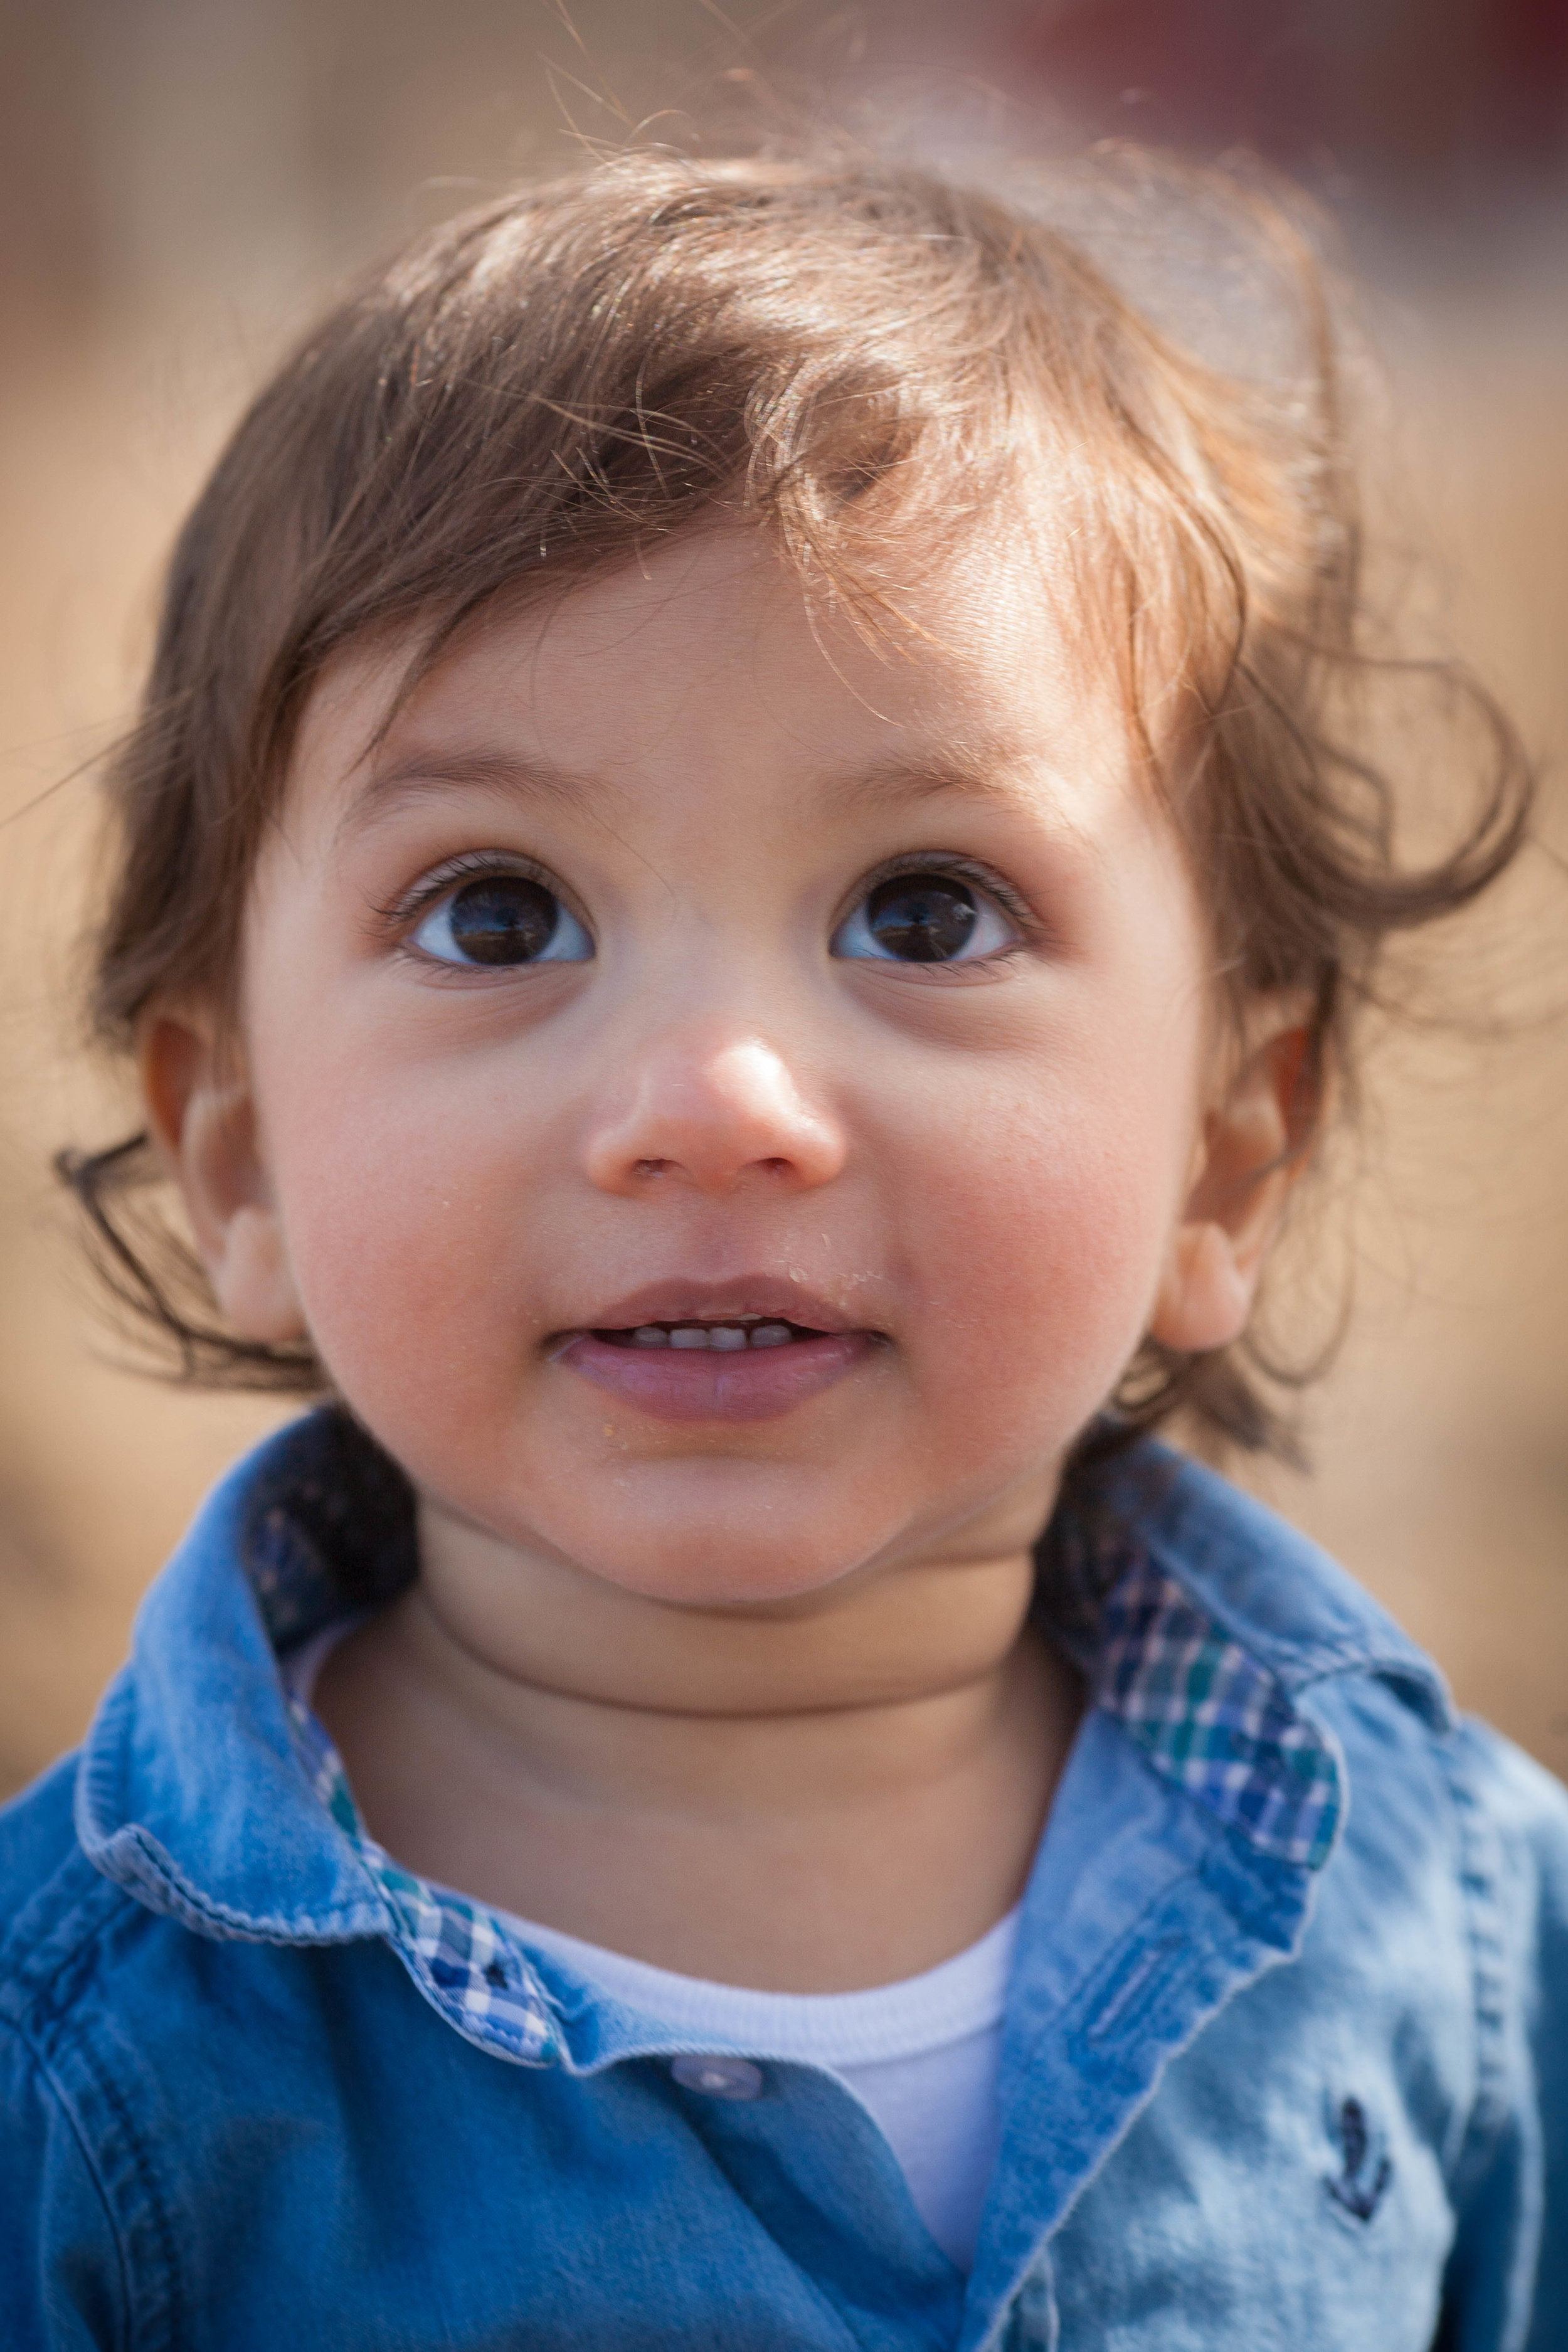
x: 756, y: 1073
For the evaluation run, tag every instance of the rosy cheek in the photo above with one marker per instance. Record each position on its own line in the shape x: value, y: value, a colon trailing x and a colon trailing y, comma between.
x: 1039, y: 1251
x: 391, y: 1236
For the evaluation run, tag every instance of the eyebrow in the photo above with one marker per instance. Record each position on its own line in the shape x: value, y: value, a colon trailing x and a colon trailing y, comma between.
x: 982, y: 768
x: 393, y: 784
x: 979, y: 768
x: 985, y: 769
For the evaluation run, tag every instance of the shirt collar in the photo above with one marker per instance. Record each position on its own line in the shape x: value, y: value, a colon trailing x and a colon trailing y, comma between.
x: 1199, y: 1620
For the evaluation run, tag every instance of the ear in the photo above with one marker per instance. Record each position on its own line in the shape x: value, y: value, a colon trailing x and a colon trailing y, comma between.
x: 203, y: 1121
x: 1252, y: 1148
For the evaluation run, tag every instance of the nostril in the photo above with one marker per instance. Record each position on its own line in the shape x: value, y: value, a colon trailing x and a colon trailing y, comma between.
x: 649, y: 1167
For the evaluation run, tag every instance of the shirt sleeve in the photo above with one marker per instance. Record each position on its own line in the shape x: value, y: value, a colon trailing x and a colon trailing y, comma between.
x: 1507, y: 2288
x: 59, y: 2263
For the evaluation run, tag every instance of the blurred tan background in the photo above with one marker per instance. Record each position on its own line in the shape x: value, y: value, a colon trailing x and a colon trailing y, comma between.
x: 181, y: 180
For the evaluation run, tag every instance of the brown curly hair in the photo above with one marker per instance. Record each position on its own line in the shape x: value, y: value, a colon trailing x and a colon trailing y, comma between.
x: 820, y: 343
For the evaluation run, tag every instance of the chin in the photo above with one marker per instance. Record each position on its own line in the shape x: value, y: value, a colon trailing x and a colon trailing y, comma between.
x: 718, y: 1556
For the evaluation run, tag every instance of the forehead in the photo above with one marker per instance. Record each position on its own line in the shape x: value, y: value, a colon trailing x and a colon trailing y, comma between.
x: 710, y: 661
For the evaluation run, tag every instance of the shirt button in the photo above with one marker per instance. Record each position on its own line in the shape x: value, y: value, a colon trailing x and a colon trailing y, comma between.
x: 719, y: 2078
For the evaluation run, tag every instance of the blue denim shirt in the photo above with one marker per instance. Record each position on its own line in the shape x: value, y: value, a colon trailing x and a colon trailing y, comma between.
x: 1285, y: 2058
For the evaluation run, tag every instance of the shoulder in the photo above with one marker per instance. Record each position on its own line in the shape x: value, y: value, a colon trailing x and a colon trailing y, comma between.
x: 131, y: 2049
x: 53, y: 1903
x: 1280, y: 1595
x: 1246, y: 1660
x: 1447, y: 1888
x: 1527, y: 1805
x: 64, y: 2239
x: 1511, y: 1817
x: 37, y: 1833
x: 66, y: 1936
x: 1342, y: 1657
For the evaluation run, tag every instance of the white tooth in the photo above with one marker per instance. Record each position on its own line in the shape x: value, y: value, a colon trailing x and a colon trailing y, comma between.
x: 649, y: 1335
x: 769, y: 1335
x: 689, y: 1335
x: 725, y: 1335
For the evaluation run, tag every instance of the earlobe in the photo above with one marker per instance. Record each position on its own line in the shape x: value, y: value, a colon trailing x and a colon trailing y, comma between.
x: 1206, y: 1293
x: 252, y: 1279
x: 203, y: 1121
x: 1252, y: 1150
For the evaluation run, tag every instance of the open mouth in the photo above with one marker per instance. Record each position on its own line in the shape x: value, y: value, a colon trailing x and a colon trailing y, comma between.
x: 714, y: 1368
x: 727, y: 1338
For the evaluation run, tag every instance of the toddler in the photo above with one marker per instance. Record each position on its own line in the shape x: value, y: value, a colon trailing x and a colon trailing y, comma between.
x: 739, y: 893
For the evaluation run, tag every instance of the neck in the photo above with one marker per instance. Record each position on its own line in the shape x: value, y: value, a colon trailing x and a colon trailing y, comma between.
x: 835, y: 1791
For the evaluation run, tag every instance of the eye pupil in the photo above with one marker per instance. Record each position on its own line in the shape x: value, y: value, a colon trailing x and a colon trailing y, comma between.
x: 922, y: 917
x: 504, y: 918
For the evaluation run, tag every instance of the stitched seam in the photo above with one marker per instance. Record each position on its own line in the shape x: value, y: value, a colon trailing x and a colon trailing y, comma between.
x: 1298, y: 1669
x: 1185, y: 1551
x: 1100, y: 1988
x: 1174, y: 1537
x: 185, y: 1903
x: 1480, y: 1896
x: 84, y: 1952
x: 25, y: 1989
x: 1074, y: 2016
x: 65, y: 2108
x: 1125, y: 1999
x: 110, y: 2094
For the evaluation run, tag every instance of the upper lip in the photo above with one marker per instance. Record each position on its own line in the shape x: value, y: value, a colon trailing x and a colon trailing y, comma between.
x: 763, y: 1296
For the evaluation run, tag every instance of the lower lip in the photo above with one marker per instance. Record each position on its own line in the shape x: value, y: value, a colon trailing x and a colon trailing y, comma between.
x: 714, y: 1384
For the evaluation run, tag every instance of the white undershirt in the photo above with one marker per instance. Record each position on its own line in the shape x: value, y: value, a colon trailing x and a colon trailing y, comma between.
x: 922, y: 2055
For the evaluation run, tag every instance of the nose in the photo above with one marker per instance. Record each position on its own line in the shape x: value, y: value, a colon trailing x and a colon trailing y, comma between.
x: 711, y: 1115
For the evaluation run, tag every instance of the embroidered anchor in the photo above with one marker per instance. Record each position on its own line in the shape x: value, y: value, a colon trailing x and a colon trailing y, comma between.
x: 1359, y: 2195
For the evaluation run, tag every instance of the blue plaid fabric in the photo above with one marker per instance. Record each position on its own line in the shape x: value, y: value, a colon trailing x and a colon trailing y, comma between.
x: 1207, y: 1715
x: 1211, y: 1718
x: 463, y: 1958
x: 465, y: 1962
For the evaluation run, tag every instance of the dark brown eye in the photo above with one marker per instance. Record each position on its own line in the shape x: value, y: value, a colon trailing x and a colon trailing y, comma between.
x: 502, y: 919
x: 922, y: 917
x: 925, y: 919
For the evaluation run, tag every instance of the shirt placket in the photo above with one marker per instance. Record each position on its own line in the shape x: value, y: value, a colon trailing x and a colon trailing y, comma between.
x: 1123, y: 1970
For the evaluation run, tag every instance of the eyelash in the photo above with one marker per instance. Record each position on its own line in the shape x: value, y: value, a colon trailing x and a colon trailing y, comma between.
x: 964, y: 869
x: 398, y: 915
x: 401, y: 914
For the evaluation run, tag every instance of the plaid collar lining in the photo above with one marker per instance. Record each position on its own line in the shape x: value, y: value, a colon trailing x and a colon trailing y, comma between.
x: 464, y: 1961
x: 1208, y: 1717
